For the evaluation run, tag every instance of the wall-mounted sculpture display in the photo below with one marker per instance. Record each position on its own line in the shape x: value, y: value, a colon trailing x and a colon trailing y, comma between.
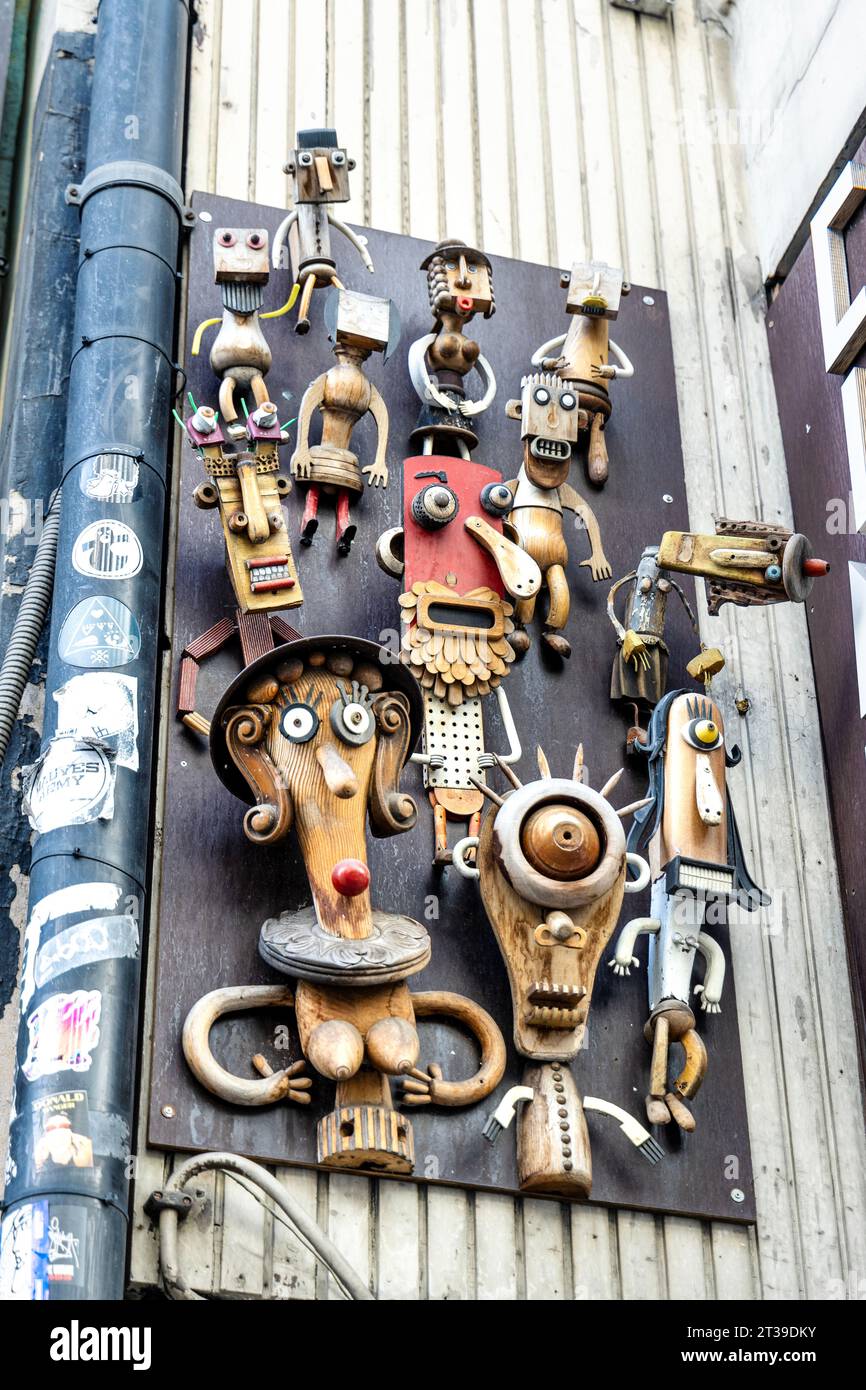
x: 459, y: 286
x: 745, y: 562
x: 552, y: 867
x: 357, y: 324
x: 320, y: 168
x: 549, y: 415
x: 580, y: 358
x: 690, y: 834
x: 315, y: 735
x: 245, y: 485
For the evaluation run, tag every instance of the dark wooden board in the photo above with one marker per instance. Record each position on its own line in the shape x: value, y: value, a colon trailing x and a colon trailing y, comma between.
x: 217, y: 888
x: 816, y: 452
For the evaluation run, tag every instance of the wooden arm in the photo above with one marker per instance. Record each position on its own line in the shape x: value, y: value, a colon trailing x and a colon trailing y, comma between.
x: 441, y: 1003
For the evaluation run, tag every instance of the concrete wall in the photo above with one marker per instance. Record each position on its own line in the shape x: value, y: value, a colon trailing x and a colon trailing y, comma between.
x: 549, y: 129
x: 800, y: 110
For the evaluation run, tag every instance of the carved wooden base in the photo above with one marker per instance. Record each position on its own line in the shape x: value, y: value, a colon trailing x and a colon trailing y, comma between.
x: 553, y: 1153
x: 364, y: 1131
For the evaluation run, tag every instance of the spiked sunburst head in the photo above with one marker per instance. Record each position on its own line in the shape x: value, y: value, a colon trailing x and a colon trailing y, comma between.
x: 457, y: 644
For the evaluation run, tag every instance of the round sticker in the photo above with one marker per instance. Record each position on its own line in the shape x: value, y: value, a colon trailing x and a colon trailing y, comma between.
x: 99, y: 632
x: 109, y: 477
x: 107, y: 550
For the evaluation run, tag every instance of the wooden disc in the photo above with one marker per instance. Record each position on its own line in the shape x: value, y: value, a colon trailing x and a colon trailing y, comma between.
x: 561, y: 842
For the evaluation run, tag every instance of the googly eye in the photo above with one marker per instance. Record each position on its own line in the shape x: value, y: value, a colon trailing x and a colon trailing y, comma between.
x: 299, y: 723
x: 255, y: 240
x: 568, y: 400
x: 352, y: 714
x: 338, y: 158
x: 434, y: 506
x: 497, y: 499
x: 226, y: 238
x: 305, y: 158
x: 541, y: 395
x: 703, y: 734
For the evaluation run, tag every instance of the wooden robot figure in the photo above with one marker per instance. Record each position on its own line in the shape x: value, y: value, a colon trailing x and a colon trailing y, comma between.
x: 357, y: 324
x: 459, y: 286
x: 697, y: 867
x: 246, y: 487
x: 315, y: 735
x: 750, y: 563
x: 320, y: 179
x: 460, y: 576
x: 581, y: 357
x: 240, y: 355
x: 549, y: 414
x: 552, y: 866
x: 640, y: 668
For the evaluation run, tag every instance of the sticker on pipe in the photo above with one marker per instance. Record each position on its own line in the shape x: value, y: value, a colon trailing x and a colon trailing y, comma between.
x: 24, y: 1253
x: 62, y: 1034
x: 107, y: 550
x: 99, y: 632
x: 102, y: 708
x: 63, y: 902
x: 99, y: 938
x: 71, y: 783
x: 110, y: 477
x: 61, y: 1132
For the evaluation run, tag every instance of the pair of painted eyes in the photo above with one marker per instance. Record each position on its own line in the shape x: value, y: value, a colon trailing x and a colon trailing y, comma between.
x: 567, y: 399
x: 338, y: 158
x: 703, y: 734
x: 254, y: 241
x: 453, y: 266
x: 351, y: 720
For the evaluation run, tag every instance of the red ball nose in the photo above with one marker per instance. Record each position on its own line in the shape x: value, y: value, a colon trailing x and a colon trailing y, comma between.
x: 350, y: 877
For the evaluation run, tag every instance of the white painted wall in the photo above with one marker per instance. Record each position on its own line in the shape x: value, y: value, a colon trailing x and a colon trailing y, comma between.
x: 797, y: 69
x: 601, y: 120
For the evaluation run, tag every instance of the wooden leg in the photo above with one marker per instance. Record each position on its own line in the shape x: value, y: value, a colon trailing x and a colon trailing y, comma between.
x: 303, y: 324
x: 557, y: 613
x: 526, y: 609
x: 346, y: 528
x: 259, y: 389
x: 228, y: 410
x: 597, y: 461
x: 656, y: 1109
x: 688, y: 1083
x: 440, y: 833
x: 310, y: 519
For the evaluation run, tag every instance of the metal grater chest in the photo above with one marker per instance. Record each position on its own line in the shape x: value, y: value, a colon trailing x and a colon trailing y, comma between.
x: 457, y: 733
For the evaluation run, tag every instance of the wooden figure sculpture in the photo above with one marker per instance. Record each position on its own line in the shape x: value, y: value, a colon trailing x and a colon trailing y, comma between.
x: 549, y: 416
x: 358, y: 324
x: 460, y: 576
x: 320, y: 175
x: 240, y: 355
x: 459, y: 286
x: 315, y: 735
x: 697, y: 865
x: 552, y: 866
x: 580, y: 358
x: 750, y: 563
x: 245, y: 485
x: 640, y: 668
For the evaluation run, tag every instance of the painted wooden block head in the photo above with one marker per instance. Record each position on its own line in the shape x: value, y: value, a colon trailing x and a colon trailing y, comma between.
x: 315, y: 735
x: 362, y: 320
x: 594, y: 289
x: 549, y: 415
x: 459, y: 281
x: 320, y: 168
x: 241, y: 254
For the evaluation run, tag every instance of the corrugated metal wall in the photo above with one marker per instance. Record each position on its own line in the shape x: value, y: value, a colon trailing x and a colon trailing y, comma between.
x: 549, y: 129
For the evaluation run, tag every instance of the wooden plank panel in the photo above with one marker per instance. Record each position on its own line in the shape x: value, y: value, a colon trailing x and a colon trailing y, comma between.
x: 399, y: 1249
x: 565, y: 144
x: 529, y: 134
x: 548, y: 1275
x: 497, y: 194
x: 634, y: 144
x: 605, y: 237
x: 425, y: 183
x: 244, y: 1222
x: 458, y: 126
x: 735, y: 1260
x: 347, y: 75
x: 149, y: 1174
x: 274, y: 45
x: 234, y: 120
x: 688, y: 1259
x: 294, y: 1268
x: 497, y: 1251
x: 349, y: 1225
x: 450, y: 1245
x: 199, y: 1233
x: 594, y: 1254
x: 385, y: 163
x: 202, y: 111
x: 310, y: 63
x: 641, y: 1256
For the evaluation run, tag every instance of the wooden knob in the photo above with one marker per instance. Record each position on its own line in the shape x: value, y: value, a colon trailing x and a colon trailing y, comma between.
x: 561, y: 842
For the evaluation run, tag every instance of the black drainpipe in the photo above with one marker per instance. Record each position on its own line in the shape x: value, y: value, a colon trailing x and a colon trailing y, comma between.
x: 67, y: 1195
